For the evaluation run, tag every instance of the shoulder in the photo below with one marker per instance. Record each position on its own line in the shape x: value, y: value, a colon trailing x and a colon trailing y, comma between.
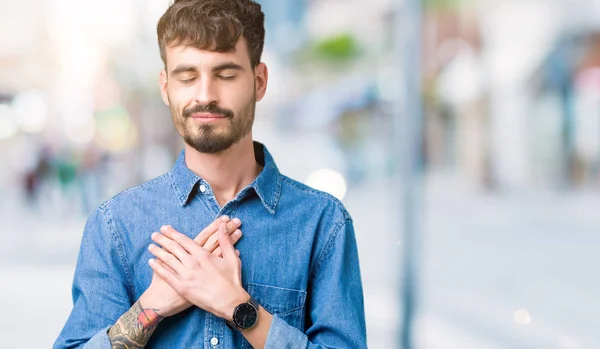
x: 332, y: 223
x: 315, y: 199
x: 134, y: 196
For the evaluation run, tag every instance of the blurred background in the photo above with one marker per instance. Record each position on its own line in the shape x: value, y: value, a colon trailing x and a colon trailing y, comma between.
x: 508, y: 190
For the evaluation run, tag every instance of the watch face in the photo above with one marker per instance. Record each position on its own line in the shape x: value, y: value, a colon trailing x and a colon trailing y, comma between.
x: 245, y: 316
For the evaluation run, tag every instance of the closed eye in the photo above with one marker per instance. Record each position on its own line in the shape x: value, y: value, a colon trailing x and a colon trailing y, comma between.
x: 187, y: 81
x: 226, y: 77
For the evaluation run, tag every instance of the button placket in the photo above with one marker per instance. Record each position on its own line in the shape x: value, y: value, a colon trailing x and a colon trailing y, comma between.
x: 213, y: 332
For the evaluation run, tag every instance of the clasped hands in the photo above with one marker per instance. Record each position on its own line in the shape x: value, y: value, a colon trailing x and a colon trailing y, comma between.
x: 205, y: 271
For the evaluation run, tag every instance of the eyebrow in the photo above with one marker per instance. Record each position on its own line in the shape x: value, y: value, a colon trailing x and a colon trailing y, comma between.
x: 225, y: 66
x: 192, y: 69
x: 184, y: 69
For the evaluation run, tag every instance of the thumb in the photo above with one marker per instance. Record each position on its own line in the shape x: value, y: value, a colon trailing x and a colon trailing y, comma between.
x: 225, y: 242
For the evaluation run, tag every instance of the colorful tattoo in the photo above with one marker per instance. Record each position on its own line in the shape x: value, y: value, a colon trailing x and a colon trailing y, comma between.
x: 134, y: 328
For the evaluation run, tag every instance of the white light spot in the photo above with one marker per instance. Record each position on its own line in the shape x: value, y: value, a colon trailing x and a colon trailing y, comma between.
x: 329, y: 181
x: 31, y: 111
x: 81, y: 133
x: 522, y: 317
x: 8, y: 125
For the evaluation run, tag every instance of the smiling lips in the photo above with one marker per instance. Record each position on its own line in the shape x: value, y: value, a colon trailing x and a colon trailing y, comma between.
x: 207, y: 116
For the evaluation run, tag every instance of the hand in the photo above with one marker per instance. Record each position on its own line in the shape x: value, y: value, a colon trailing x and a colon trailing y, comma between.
x: 205, y: 280
x: 162, y: 297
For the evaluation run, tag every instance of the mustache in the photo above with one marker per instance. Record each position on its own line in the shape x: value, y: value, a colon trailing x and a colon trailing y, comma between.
x: 210, y: 108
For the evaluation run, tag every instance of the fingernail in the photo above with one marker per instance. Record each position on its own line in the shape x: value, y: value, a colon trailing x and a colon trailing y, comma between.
x: 238, y: 232
x: 151, y: 261
x: 163, y: 228
x: 237, y: 221
x: 154, y: 234
x: 151, y: 246
x: 225, y: 218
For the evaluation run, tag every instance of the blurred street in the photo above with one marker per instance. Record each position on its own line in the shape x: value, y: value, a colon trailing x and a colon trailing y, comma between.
x: 517, y: 270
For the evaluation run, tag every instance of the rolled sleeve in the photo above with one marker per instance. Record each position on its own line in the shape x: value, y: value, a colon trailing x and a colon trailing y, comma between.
x: 282, y: 335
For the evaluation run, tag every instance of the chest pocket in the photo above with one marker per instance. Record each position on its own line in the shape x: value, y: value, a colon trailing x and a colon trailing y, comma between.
x: 287, y: 304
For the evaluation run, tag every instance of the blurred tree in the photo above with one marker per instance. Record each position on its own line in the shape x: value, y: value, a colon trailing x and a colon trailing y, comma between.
x: 339, y: 47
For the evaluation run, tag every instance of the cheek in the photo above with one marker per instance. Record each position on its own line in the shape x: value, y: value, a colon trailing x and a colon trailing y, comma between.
x: 178, y: 101
x: 238, y: 96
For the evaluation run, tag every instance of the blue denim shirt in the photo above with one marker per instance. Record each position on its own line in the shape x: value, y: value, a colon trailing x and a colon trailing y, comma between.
x: 298, y: 251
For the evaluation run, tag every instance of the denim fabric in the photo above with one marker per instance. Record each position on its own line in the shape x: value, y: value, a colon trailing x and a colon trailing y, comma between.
x: 298, y: 251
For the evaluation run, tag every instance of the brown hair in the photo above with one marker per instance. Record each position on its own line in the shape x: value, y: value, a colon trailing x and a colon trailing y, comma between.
x: 214, y: 25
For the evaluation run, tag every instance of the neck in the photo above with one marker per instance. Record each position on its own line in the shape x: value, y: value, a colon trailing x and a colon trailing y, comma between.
x: 226, y: 172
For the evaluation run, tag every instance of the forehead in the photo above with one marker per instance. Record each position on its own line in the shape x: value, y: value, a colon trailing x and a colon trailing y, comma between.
x: 206, y: 59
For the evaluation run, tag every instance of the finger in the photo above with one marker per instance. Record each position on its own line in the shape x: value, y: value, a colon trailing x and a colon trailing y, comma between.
x: 207, y: 232
x: 168, y: 259
x: 237, y: 252
x: 235, y: 237
x: 213, y: 241
x: 165, y: 266
x: 164, y: 274
x: 226, y: 244
x: 172, y: 247
x: 181, y: 239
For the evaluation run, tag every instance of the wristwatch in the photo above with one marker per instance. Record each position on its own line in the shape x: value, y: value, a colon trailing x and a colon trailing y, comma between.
x: 245, y: 316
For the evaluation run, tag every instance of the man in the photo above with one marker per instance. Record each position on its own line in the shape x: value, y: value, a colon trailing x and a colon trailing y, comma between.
x: 295, y: 282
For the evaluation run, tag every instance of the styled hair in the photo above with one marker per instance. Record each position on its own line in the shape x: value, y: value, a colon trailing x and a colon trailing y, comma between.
x: 214, y: 25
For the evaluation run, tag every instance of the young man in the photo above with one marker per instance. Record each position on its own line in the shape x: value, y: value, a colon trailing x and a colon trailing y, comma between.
x: 294, y: 280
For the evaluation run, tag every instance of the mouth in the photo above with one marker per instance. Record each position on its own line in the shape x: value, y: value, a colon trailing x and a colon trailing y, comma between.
x: 207, y: 116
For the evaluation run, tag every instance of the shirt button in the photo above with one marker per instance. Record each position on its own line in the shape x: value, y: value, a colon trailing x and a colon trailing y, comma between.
x: 214, y: 341
x: 203, y: 189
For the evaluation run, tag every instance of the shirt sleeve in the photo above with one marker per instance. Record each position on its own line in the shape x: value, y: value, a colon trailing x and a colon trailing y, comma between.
x: 100, y: 290
x: 335, y: 304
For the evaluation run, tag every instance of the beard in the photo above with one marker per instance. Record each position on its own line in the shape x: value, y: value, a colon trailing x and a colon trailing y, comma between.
x: 217, y: 137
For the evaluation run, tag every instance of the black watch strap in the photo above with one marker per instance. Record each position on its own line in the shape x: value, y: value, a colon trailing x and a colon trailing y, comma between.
x: 232, y: 325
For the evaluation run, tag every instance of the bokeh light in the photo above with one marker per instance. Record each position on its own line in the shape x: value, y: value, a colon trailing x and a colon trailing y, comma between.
x: 115, y: 130
x: 8, y: 125
x: 81, y: 132
x: 31, y: 111
x: 522, y: 317
x: 329, y: 181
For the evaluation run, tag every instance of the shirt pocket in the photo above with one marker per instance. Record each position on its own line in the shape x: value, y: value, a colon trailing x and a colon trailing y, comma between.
x: 286, y: 303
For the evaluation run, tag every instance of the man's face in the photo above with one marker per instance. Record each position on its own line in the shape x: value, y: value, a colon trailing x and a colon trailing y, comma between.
x: 212, y: 95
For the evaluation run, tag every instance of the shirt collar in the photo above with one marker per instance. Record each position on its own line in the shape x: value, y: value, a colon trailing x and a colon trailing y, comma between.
x: 267, y: 185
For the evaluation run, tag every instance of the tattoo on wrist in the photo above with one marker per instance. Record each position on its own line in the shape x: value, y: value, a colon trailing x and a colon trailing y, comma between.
x: 134, y: 328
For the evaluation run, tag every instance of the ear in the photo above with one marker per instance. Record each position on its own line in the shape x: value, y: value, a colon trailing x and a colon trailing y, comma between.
x: 162, y: 81
x: 262, y: 78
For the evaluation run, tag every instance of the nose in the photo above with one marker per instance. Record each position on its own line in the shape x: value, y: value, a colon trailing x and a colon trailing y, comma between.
x: 207, y: 93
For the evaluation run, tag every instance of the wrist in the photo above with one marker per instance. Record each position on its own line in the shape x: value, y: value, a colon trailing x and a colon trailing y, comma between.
x: 150, y: 300
x: 239, y: 297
